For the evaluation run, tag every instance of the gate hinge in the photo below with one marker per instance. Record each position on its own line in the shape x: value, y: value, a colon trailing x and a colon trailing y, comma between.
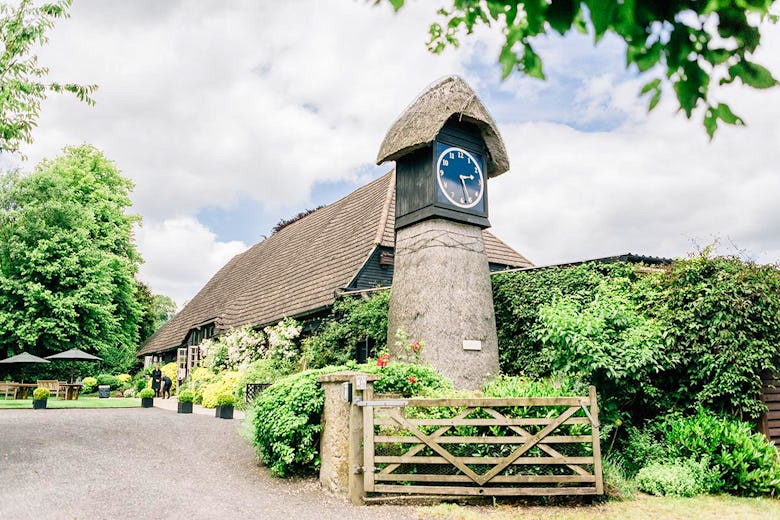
x: 359, y: 470
x: 585, y: 409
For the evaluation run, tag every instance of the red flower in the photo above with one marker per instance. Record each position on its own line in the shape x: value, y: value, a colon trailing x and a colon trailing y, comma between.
x: 412, y: 379
x: 416, y: 347
x: 382, y: 360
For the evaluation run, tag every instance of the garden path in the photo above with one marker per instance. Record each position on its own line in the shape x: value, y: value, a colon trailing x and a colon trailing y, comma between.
x: 149, y: 463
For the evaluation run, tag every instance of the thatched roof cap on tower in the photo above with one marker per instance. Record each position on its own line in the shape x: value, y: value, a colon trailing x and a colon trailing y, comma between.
x: 418, y: 125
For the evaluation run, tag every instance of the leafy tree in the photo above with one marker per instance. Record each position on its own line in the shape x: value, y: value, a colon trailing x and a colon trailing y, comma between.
x: 157, y: 309
x: 68, y: 261
x: 23, y: 25
x: 684, y: 43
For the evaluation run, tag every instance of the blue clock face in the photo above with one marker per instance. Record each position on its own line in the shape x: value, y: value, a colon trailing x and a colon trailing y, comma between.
x: 460, y: 176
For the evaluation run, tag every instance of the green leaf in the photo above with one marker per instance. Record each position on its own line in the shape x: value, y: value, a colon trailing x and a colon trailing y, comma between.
x: 725, y: 114
x: 561, y: 14
x: 532, y: 63
x: 648, y: 58
x: 710, y: 122
x: 653, y: 85
x: 508, y: 61
x: 654, y: 100
x: 752, y: 74
x: 397, y: 4
x: 602, y: 13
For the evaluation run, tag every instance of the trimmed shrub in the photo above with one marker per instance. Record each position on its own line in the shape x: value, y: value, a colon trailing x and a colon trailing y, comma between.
x: 747, y: 462
x: 107, y: 379
x: 287, y: 421
x: 41, y: 393
x: 186, y: 396
x: 89, y: 384
x: 146, y: 393
x: 226, y: 399
x: 124, y: 378
x: 673, y: 479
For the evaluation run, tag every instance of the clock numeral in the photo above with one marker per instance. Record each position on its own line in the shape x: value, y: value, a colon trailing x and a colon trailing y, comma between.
x: 476, y: 194
x: 476, y: 169
x: 445, y: 162
x: 469, y: 160
x: 446, y: 186
x: 452, y: 155
x: 441, y: 172
x: 462, y: 201
x: 452, y: 194
x: 460, y: 155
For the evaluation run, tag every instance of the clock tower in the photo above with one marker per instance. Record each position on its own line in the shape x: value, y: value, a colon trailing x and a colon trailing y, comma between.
x: 446, y: 146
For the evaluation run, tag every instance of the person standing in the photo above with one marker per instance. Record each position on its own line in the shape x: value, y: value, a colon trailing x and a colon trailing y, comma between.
x: 156, y: 379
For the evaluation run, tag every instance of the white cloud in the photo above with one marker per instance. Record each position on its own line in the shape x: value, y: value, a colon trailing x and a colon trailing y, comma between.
x: 181, y: 255
x: 202, y: 103
x: 655, y: 185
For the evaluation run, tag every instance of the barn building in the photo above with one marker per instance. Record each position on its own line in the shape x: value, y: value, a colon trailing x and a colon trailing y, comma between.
x: 298, y: 271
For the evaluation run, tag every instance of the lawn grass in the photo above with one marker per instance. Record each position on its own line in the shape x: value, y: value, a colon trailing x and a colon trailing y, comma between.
x: 643, y: 507
x: 82, y: 402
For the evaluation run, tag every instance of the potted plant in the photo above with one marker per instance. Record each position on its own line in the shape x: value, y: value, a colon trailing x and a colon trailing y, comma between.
x: 225, y: 403
x: 147, y: 397
x: 40, y: 395
x: 185, y: 401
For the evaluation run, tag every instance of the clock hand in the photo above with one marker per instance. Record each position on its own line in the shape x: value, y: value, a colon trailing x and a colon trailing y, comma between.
x: 463, y: 183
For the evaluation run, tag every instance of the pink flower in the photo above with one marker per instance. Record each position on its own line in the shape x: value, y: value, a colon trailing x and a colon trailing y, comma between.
x: 383, y: 360
x: 412, y: 379
x: 416, y: 347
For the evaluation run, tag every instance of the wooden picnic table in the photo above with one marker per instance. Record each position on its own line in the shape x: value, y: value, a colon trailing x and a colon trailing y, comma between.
x: 23, y: 389
x: 70, y: 391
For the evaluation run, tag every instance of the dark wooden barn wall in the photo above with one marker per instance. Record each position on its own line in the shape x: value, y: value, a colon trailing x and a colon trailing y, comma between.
x: 372, y: 274
x: 770, y: 426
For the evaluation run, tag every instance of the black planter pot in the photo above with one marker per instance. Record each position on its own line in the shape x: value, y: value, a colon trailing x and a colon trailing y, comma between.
x: 147, y: 402
x: 39, y: 404
x: 224, y: 412
x: 185, y: 407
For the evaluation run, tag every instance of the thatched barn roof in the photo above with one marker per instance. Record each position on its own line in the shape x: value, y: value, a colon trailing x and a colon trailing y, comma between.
x: 297, y: 270
x: 418, y: 125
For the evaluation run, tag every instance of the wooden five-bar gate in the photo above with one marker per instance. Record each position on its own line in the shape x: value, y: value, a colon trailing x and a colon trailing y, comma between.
x: 482, y: 447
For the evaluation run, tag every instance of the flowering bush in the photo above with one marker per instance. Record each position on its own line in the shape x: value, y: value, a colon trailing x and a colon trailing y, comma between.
x: 226, y: 382
x: 281, y: 339
x: 234, y: 350
x: 124, y: 378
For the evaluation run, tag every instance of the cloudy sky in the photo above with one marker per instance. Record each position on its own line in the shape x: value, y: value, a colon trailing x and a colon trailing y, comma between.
x: 229, y: 116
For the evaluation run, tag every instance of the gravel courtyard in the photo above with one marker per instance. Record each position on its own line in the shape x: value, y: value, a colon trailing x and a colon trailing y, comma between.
x: 148, y: 463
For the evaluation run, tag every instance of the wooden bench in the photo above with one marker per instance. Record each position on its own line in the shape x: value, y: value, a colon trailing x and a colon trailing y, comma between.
x: 51, y: 384
x: 8, y: 388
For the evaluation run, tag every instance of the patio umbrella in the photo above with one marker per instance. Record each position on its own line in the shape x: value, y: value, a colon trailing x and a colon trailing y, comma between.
x: 74, y: 354
x: 22, y: 358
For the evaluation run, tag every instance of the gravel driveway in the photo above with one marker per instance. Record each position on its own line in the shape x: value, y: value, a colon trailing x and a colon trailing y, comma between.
x: 148, y: 464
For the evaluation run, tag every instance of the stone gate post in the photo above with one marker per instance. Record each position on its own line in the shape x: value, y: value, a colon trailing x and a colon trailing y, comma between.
x: 341, y: 439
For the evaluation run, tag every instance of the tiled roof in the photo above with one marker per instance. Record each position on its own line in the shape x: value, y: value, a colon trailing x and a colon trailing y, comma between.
x: 297, y: 269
